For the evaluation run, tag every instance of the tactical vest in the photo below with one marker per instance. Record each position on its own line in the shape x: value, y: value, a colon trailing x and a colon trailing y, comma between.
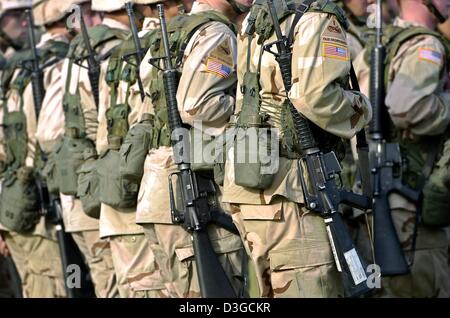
x: 251, y: 118
x: 415, y: 153
x: 69, y: 154
x: 181, y: 29
x: 19, y: 199
x: 137, y: 142
x: 99, y: 35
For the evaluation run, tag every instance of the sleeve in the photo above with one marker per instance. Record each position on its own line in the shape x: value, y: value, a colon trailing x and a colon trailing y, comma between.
x: 321, y: 65
x: 51, y: 118
x: 207, y: 85
x: 415, y: 98
x: 104, y: 104
x: 30, y: 114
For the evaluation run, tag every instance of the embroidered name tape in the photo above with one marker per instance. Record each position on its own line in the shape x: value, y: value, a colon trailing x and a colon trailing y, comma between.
x: 430, y: 55
x: 216, y: 67
x: 335, y: 51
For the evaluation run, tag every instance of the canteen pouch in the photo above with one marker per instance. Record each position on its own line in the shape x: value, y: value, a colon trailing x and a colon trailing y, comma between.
x: 88, y: 185
x: 114, y: 190
x: 252, y: 142
x: 69, y: 159
x: 19, y: 203
x: 436, y: 193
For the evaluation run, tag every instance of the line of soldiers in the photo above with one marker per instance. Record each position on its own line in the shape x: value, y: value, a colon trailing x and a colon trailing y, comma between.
x: 92, y: 154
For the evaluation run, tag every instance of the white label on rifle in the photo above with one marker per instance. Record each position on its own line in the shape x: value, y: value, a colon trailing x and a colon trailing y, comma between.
x: 355, y: 266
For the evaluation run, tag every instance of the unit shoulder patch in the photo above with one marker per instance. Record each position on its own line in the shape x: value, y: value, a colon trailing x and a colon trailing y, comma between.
x: 333, y: 32
x: 223, y: 53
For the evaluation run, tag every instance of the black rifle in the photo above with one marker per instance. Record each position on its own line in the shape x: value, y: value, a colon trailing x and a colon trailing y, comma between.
x: 14, y: 278
x: 15, y: 282
x: 195, y: 191
x: 322, y: 169
x: 50, y: 205
x: 139, y: 54
x: 92, y: 58
x: 386, y: 163
x: 37, y: 76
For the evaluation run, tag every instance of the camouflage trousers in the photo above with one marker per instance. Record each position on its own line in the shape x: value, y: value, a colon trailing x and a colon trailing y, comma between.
x: 39, y: 265
x: 173, y: 250
x: 138, y: 275
x: 429, y: 275
x: 290, y: 250
x: 97, y: 253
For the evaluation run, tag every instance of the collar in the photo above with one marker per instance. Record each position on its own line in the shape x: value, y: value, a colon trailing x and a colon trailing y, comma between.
x: 201, y: 7
x: 399, y: 22
x: 114, y: 24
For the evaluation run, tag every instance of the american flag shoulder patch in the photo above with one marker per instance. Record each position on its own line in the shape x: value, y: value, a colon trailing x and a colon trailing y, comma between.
x: 430, y: 55
x: 335, y: 51
x: 218, y: 68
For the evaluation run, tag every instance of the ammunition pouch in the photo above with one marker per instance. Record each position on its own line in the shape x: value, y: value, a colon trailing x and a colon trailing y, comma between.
x: 19, y: 201
x: 114, y: 190
x: 69, y: 159
x: 135, y: 148
x: 88, y: 185
x: 199, y: 146
x: 49, y: 172
x: 436, y: 193
x: 223, y: 144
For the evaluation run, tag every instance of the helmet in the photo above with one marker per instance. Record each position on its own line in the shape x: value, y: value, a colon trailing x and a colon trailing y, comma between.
x: 147, y: 1
x: 238, y: 7
x: 6, y: 5
x: 49, y: 11
x: 108, y: 5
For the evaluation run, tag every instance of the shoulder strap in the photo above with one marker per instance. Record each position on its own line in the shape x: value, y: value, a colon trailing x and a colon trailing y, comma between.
x: 397, y: 36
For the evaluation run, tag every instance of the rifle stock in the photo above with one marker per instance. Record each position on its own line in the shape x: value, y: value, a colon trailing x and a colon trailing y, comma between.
x: 194, y: 192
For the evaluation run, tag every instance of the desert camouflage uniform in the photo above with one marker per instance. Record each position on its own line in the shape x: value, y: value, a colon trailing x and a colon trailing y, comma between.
x: 84, y: 229
x: 288, y: 244
x: 418, y: 106
x: 134, y: 263
x: 202, y: 96
x: 36, y: 254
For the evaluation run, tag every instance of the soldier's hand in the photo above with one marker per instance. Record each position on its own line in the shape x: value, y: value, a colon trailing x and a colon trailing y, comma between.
x: 3, y: 248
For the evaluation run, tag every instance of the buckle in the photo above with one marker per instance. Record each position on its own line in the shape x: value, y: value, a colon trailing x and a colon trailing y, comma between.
x: 302, y: 8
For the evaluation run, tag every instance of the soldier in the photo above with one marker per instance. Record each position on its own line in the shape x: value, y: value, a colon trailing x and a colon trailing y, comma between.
x: 49, y: 133
x: 85, y: 105
x: 137, y: 272
x: 12, y: 36
x: 29, y: 237
x: 205, y: 95
x: 287, y: 243
x: 419, y: 111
